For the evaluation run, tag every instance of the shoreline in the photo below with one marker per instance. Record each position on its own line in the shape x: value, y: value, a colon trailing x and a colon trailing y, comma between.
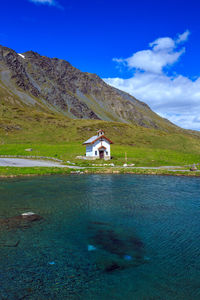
x: 16, y: 172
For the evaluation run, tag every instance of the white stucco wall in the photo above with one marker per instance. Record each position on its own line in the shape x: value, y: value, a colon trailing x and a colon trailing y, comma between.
x: 90, y: 149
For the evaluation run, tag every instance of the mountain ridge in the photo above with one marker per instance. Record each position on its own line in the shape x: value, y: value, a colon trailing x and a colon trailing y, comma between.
x: 55, y: 85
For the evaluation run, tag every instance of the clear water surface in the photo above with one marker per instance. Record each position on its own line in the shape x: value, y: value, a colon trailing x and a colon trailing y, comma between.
x: 101, y: 237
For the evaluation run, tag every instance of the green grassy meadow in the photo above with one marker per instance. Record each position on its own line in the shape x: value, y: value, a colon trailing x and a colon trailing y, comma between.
x: 140, y: 156
x: 52, y: 135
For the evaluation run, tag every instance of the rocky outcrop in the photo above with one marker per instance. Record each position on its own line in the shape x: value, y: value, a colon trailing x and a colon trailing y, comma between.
x: 57, y: 84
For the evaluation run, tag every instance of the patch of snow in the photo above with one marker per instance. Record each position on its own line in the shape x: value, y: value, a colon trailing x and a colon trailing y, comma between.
x: 21, y: 55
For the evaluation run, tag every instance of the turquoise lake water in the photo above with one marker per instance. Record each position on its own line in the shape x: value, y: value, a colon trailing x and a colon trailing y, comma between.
x: 101, y: 237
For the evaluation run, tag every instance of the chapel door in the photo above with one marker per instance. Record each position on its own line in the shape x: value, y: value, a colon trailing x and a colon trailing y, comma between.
x: 101, y: 154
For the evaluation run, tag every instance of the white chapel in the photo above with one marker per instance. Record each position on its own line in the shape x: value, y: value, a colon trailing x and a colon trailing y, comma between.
x: 98, y: 146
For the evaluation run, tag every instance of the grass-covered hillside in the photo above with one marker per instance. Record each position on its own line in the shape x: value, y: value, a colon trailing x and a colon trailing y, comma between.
x: 51, y: 134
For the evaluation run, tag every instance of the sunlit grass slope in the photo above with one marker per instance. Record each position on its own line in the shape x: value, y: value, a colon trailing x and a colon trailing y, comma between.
x: 51, y: 134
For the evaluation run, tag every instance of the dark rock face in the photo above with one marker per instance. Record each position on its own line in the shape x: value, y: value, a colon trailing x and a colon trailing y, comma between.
x: 72, y: 92
x: 45, y: 78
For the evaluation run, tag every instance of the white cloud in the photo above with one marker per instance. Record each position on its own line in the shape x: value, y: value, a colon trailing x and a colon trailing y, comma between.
x: 183, y: 37
x: 49, y: 2
x: 163, y: 44
x: 46, y: 2
x: 163, y: 53
x: 153, y: 60
x: 176, y: 98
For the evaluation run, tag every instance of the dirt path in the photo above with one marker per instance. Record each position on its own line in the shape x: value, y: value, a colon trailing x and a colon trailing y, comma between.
x: 20, y: 162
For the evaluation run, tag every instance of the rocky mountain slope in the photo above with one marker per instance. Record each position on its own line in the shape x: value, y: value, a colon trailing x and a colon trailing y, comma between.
x: 53, y: 84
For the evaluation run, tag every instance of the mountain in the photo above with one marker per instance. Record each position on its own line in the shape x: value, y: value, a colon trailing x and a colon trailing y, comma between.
x: 54, y: 85
x: 51, y: 107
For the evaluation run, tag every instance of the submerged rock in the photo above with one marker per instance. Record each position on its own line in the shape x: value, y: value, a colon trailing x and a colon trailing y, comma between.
x: 15, y: 244
x: 113, y: 267
x: 115, y: 243
x: 30, y: 216
x: 21, y: 221
x: 115, y: 249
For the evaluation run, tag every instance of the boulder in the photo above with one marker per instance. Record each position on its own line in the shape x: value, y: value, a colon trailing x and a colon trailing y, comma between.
x: 21, y: 221
x: 30, y: 216
x: 193, y: 168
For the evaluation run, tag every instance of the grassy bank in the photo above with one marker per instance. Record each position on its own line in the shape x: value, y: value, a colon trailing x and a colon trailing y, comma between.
x: 31, y: 171
x: 142, y: 172
x: 34, y: 171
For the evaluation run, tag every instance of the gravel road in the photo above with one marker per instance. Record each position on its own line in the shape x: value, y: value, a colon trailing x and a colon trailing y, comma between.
x: 19, y: 162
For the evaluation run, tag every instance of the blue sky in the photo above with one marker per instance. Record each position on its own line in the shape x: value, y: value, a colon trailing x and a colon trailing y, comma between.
x: 147, y: 48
